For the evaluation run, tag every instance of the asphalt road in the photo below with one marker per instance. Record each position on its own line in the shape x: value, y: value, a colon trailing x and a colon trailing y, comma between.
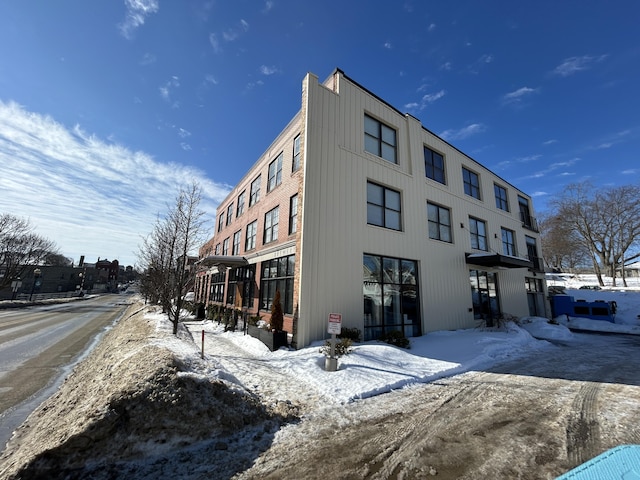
x: 38, y: 347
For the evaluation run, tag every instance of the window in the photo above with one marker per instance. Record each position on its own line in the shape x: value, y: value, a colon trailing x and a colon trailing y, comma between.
x: 478, y: 230
x: 250, y: 239
x: 217, y: 249
x: 271, y: 226
x: 380, y: 139
x: 254, y: 193
x: 439, y: 222
x: 391, y: 296
x: 508, y: 242
x: 217, y: 287
x: 275, y: 173
x: 221, y: 222
x: 296, y: 154
x: 532, y: 253
x: 229, y: 213
x: 434, y: 165
x: 277, y: 274
x: 501, y: 197
x: 240, y: 208
x: 236, y: 243
x: 525, y: 214
x: 471, y: 183
x: 535, y: 297
x: 383, y: 206
x: 241, y: 281
x: 293, y: 214
x: 225, y: 246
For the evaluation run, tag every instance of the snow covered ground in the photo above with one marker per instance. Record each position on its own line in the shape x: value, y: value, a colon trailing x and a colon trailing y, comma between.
x: 374, y: 367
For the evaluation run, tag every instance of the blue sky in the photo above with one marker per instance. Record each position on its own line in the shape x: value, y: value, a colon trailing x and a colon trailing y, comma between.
x: 107, y: 106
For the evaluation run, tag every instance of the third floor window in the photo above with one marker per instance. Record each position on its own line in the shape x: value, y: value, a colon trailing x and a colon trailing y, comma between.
x: 380, y: 139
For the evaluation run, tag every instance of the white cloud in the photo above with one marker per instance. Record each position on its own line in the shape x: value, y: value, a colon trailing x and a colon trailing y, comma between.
x: 265, y: 70
x: 468, y: 131
x: 136, y: 14
x: 268, y: 5
x: 233, y: 33
x: 213, y: 40
x: 516, y: 97
x: 572, y: 65
x: 168, y: 87
x: 387, y: 45
x: 425, y: 100
x: 91, y: 197
x: 148, y: 59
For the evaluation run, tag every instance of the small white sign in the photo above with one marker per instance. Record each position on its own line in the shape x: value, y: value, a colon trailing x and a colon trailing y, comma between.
x: 335, y: 323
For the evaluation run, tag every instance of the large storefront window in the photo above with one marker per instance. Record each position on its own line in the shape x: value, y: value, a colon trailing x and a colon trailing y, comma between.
x: 484, y: 294
x: 391, y: 296
x: 277, y: 274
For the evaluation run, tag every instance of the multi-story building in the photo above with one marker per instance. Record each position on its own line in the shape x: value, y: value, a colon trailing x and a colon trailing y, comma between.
x: 358, y: 209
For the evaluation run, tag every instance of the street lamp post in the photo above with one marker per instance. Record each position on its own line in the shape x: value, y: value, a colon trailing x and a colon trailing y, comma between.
x: 36, y: 281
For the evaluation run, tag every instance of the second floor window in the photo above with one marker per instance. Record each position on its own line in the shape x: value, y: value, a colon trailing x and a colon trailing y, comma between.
x: 532, y: 252
x: 383, y: 207
x: 225, y: 246
x: 439, y: 219
x: 508, y: 242
x: 221, y: 221
x: 271, y: 219
x: 525, y: 214
x: 434, y: 165
x: 250, y: 239
x: 236, y: 243
x: 275, y: 173
x: 254, y: 193
x: 478, y: 230
x: 471, y: 183
x: 380, y: 139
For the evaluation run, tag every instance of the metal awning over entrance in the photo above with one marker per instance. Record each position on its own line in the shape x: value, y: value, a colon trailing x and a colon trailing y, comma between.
x: 223, y: 261
x: 496, y: 260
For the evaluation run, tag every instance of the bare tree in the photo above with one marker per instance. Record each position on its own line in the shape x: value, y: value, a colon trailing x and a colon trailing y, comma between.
x: 20, y: 247
x: 606, y: 221
x: 562, y: 248
x: 164, y: 253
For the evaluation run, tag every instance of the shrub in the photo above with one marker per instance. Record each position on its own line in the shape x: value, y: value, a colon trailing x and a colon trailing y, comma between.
x: 395, y: 337
x: 254, y: 319
x: 351, y: 333
x: 277, y: 316
x: 343, y: 347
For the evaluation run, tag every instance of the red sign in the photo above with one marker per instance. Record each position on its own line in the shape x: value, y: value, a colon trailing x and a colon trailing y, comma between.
x: 335, y: 323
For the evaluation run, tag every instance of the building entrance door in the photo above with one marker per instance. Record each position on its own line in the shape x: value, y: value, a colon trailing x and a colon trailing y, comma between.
x: 484, y: 294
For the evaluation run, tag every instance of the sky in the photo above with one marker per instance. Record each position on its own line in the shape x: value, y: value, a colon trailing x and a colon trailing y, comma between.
x: 108, y: 107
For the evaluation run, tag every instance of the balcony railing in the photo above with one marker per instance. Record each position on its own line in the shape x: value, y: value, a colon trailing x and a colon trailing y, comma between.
x: 529, y: 222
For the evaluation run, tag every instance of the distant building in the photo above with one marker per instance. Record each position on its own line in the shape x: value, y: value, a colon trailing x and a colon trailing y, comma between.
x: 356, y: 208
